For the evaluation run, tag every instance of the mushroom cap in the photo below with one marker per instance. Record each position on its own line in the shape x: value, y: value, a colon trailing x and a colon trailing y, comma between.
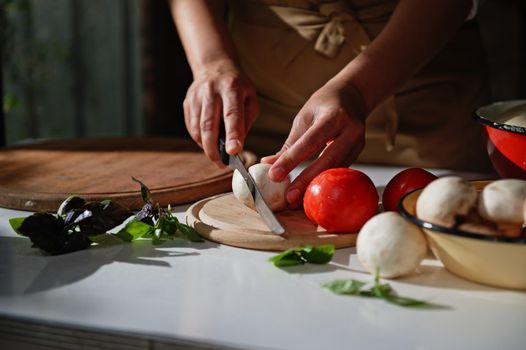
x: 502, y: 202
x: 444, y: 199
x: 390, y: 244
x: 272, y: 192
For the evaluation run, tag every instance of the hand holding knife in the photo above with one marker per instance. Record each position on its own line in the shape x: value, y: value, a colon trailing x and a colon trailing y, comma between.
x: 235, y: 162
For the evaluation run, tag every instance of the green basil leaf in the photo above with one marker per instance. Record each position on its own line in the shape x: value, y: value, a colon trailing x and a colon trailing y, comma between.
x: 378, y: 290
x: 188, y: 232
x: 367, y: 293
x: 134, y: 230
x: 145, y: 191
x: 381, y: 290
x: 351, y: 287
x: 321, y: 254
x: 404, y: 301
x: 16, y: 223
x: 168, y: 225
x: 290, y: 257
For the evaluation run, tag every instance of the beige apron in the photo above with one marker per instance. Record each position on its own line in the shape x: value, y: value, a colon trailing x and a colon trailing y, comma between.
x: 291, y: 48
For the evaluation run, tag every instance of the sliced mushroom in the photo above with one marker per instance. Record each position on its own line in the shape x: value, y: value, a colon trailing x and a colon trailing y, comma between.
x: 445, y: 199
x: 272, y: 192
x: 502, y: 202
x: 389, y: 244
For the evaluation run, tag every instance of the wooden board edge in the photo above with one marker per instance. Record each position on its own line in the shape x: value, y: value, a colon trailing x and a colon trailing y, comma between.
x: 49, y: 202
x: 32, y: 201
x: 253, y: 241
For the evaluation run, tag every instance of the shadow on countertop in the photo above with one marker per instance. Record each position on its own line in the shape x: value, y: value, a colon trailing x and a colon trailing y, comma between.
x: 25, y: 270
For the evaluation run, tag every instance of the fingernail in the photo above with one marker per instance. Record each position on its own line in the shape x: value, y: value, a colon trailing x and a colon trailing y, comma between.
x: 276, y: 174
x: 293, y: 196
x: 268, y: 160
x: 232, y: 145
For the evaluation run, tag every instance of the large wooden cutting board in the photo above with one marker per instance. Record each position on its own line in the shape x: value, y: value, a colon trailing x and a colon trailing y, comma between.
x: 225, y: 220
x: 40, y: 176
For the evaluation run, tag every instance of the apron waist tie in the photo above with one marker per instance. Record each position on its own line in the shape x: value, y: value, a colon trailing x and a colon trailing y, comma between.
x: 325, y: 25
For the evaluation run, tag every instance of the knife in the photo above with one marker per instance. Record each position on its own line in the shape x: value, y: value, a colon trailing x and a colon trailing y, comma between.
x: 234, y: 162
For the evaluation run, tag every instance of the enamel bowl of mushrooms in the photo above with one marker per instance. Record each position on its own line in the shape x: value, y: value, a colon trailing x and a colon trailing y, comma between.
x: 476, y: 228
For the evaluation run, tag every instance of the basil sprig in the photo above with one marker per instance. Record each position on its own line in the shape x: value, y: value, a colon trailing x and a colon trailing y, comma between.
x: 79, y: 223
x: 155, y: 223
x: 164, y: 225
x: 378, y: 290
x: 321, y: 254
x: 72, y: 227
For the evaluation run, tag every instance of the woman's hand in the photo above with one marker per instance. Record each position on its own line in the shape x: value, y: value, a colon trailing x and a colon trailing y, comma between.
x: 332, y: 120
x: 220, y: 90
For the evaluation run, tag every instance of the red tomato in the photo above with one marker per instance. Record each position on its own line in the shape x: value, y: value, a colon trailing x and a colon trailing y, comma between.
x: 341, y: 200
x: 404, y: 182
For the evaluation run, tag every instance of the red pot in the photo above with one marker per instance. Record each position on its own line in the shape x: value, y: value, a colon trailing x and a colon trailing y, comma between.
x: 505, y: 143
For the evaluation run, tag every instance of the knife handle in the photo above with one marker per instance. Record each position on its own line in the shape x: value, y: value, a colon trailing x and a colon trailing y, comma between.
x: 225, y: 157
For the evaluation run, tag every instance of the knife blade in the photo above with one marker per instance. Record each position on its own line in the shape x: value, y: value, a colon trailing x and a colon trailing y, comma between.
x: 234, y: 162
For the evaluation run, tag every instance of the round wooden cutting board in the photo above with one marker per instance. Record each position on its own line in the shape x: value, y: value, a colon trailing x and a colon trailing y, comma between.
x: 40, y: 176
x: 225, y: 220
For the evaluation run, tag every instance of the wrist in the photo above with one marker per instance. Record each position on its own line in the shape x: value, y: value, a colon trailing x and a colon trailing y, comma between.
x: 218, y: 65
x: 351, y: 96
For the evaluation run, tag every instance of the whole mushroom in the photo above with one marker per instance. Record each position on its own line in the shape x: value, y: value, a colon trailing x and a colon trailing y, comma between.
x: 502, y: 202
x: 445, y: 199
x: 390, y: 245
x: 272, y: 192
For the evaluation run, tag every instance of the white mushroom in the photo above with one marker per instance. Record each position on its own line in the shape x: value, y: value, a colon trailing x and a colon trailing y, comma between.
x: 502, y: 202
x: 389, y: 244
x: 273, y: 192
x: 444, y: 199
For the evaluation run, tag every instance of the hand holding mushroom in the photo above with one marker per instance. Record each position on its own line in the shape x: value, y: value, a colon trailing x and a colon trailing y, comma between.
x: 273, y: 192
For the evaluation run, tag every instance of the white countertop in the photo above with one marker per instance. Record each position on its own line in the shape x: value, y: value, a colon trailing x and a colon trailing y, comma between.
x: 209, y: 294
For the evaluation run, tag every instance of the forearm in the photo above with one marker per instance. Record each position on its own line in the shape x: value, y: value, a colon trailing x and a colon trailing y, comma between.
x: 203, y: 32
x: 416, y: 32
